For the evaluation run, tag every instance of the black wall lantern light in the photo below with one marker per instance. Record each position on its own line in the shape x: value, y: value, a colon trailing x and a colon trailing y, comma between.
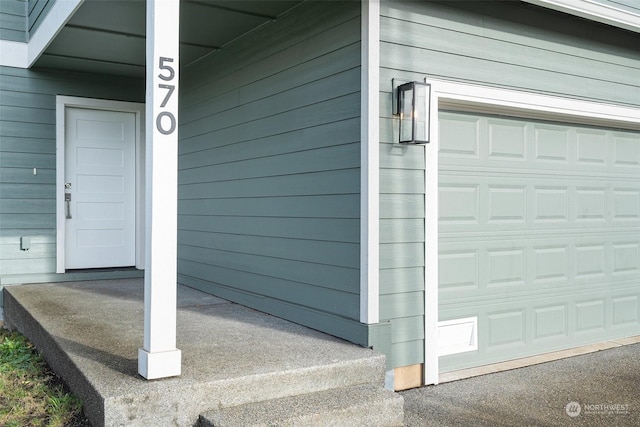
x: 413, y: 102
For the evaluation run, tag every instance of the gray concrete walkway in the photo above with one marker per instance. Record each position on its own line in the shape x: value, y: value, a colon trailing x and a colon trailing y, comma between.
x: 90, y: 332
x: 604, y: 385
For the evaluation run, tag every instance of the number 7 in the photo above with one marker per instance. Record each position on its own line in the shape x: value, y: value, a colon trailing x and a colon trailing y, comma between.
x: 168, y: 95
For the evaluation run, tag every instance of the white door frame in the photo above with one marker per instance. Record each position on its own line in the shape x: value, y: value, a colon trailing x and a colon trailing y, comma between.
x: 62, y: 102
x: 484, y: 99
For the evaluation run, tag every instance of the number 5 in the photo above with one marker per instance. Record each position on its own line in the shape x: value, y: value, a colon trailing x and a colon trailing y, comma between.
x: 169, y: 68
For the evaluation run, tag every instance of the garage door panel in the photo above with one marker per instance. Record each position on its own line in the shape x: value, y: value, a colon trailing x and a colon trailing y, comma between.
x: 626, y: 204
x: 497, y: 201
x: 477, y: 263
x: 550, y: 322
x: 459, y: 203
x: 625, y: 310
x: 591, y: 203
x: 507, y: 140
x: 506, y: 267
x: 551, y: 144
x: 590, y: 315
x: 551, y: 204
x: 592, y: 149
x: 591, y: 261
x: 551, y: 263
x: 505, y: 143
x: 539, y: 234
x: 506, y: 328
x: 506, y: 203
x: 463, y: 134
x: 509, y: 327
x: 626, y: 148
x: 459, y: 270
x: 625, y: 258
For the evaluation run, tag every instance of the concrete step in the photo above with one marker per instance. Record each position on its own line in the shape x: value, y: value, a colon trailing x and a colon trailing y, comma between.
x: 363, y: 405
x: 90, y: 332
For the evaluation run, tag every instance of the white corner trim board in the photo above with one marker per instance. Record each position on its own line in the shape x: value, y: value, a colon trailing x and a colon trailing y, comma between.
x: 595, y: 11
x: 369, y: 160
x: 23, y: 55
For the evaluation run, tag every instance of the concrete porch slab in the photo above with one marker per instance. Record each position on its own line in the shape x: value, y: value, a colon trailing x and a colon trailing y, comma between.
x: 90, y: 333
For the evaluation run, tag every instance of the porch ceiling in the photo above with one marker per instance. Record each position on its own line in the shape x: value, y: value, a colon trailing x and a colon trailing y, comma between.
x: 109, y: 36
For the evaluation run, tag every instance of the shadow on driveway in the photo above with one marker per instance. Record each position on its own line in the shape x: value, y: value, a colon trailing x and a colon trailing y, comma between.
x: 596, y: 389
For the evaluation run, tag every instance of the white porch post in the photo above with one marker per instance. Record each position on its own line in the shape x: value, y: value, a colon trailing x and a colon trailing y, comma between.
x: 159, y: 357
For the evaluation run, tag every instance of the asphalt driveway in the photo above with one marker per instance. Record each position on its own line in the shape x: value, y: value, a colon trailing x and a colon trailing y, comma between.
x: 596, y: 389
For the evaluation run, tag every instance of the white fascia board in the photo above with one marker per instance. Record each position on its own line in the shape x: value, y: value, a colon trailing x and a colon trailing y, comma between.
x: 369, y: 161
x: 23, y: 55
x: 55, y: 20
x: 594, y: 11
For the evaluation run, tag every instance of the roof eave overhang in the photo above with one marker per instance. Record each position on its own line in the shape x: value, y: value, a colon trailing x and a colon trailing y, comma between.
x: 594, y: 11
x: 24, y: 55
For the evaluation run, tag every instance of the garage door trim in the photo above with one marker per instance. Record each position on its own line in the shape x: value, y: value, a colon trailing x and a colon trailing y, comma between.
x: 483, y: 99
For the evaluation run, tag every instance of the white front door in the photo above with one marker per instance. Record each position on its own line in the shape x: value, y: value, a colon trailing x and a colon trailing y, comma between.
x: 100, y: 187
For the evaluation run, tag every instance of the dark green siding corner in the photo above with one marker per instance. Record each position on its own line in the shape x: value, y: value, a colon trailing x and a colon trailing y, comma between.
x: 269, y: 161
x: 379, y: 338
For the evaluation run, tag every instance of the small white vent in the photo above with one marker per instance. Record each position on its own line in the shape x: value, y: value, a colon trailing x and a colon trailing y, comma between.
x: 457, y: 336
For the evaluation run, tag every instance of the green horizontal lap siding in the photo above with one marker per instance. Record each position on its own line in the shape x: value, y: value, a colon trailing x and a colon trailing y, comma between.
x: 505, y: 44
x: 269, y: 170
x: 13, y: 20
x: 509, y: 44
x: 402, y: 246
x: 37, y: 12
x: 28, y: 141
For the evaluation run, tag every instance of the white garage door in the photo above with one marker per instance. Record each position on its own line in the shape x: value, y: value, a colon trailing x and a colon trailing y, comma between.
x: 539, y: 229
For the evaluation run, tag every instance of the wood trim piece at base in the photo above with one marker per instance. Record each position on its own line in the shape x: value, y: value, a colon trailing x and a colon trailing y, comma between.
x: 407, y: 377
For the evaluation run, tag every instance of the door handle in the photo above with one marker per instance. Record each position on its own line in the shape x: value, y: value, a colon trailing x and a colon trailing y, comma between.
x: 67, y: 204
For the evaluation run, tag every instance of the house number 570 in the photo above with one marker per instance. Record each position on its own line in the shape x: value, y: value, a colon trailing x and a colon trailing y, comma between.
x: 166, y: 120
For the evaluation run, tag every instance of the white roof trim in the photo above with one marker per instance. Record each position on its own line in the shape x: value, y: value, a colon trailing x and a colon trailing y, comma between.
x: 594, y: 11
x: 23, y: 55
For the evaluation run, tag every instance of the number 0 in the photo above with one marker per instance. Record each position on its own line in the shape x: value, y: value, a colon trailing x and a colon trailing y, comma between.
x: 172, y: 123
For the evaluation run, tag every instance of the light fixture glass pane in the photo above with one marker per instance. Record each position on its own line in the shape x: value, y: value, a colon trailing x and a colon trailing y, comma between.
x: 421, y: 113
x: 406, y: 123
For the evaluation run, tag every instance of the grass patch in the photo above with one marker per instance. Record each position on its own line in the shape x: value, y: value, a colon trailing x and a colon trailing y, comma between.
x: 30, y: 392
